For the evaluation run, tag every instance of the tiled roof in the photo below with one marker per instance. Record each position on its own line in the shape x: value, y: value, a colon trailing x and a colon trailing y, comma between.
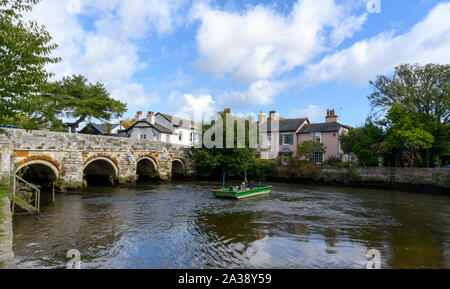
x: 322, y: 127
x: 285, y: 125
x: 180, y: 122
x: 157, y: 126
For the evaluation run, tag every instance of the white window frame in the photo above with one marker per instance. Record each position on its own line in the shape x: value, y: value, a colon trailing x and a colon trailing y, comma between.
x: 167, y: 137
x: 193, y: 137
x: 316, y: 136
x: 269, y: 140
x: 289, y: 139
x: 317, y: 158
x: 143, y: 136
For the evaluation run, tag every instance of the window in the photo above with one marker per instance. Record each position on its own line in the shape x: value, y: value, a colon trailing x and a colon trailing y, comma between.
x: 193, y: 138
x: 271, y: 156
x: 180, y: 137
x: 167, y: 138
x: 143, y: 136
x: 316, y: 136
x: 257, y: 155
x: 317, y: 158
x: 269, y: 140
x: 287, y: 139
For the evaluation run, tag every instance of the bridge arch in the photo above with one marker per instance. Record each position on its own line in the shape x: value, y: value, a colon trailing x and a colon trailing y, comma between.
x: 100, y: 170
x: 178, y: 168
x: 147, y: 168
x: 39, y: 172
x: 51, y: 165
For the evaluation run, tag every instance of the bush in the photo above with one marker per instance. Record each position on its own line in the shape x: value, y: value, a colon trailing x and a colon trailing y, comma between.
x: 333, y: 161
x: 262, y: 168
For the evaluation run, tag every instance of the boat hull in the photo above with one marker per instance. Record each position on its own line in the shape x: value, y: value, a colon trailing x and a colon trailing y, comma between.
x: 242, y: 194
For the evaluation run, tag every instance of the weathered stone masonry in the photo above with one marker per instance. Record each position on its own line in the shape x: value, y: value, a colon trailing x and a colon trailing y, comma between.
x: 69, y: 154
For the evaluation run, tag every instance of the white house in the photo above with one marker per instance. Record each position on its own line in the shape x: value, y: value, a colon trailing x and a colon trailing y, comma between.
x: 164, y: 128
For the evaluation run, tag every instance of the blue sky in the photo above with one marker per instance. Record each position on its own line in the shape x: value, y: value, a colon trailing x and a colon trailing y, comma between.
x: 296, y: 57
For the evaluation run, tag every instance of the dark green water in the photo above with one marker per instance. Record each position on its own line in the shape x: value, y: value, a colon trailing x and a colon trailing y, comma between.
x: 183, y: 226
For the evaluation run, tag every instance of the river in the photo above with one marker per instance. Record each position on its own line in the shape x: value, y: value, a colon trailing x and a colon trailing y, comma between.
x: 181, y: 225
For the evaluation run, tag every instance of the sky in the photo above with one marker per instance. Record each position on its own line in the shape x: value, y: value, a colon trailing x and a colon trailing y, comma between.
x: 189, y: 57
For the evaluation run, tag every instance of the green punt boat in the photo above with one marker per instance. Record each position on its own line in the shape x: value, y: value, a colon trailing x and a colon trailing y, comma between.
x: 235, y: 193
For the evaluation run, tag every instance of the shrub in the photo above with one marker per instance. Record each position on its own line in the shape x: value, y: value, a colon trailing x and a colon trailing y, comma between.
x: 333, y: 161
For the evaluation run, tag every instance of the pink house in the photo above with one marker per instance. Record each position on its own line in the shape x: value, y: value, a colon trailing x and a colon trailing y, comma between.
x: 280, y: 137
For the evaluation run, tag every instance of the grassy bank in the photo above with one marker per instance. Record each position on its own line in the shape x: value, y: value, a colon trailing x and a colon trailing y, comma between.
x: 3, y: 192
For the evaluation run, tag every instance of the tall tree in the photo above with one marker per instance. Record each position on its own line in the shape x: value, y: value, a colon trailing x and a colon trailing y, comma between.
x: 415, y: 101
x: 25, y: 49
x: 79, y: 100
x: 423, y: 89
x: 233, y: 161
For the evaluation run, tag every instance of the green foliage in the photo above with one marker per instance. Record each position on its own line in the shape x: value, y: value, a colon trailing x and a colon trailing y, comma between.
x: 77, y: 99
x: 262, y: 168
x: 334, y: 160
x: 301, y: 168
x: 215, y: 161
x: 308, y: 148
x: 407, y: 127
x: 423, y: 89
x: 361, y: 141
x: 416, y: 102
x: 25, y: 49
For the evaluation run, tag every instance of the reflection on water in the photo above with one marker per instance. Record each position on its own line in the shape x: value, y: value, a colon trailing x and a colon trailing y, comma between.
x: 183, y: 226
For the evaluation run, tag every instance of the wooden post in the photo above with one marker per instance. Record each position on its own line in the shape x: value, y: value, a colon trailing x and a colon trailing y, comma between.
x: 53, y: 192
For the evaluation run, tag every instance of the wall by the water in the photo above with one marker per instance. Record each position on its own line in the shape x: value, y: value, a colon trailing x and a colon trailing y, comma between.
x: 6, y: 235
x: 437, y: 178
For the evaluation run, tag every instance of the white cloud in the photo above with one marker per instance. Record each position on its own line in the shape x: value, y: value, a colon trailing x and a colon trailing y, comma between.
x: 313, y: 112
x: 260, y: 43
x: 260, y: 93
x: 192, y: 107
x: 106, y: 52
x: 427, y: 42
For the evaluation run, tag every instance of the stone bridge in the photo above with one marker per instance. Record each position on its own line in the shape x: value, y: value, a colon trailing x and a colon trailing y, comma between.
x: 70, y: 160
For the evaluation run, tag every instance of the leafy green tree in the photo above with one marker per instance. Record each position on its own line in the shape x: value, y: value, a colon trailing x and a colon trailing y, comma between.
x: 423, y: 89
x: 212, y: 162
x: 307, y: 149
x: 79, y: 100
x: 362, y: 141
x: 415, y: 101
x: 25, y: 49
x: 407, y: 127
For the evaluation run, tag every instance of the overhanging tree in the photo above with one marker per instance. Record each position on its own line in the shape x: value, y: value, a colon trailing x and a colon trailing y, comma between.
x: 25, y: 49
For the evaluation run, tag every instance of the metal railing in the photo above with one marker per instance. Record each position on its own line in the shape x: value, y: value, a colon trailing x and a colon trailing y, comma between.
x: 14, y: 183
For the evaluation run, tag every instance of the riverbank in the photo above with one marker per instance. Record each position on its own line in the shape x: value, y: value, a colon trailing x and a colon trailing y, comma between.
x: 6, y: 231
x: 407, y: 179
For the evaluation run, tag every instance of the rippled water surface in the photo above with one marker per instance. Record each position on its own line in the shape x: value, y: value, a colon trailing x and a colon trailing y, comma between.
x: 181, y: 225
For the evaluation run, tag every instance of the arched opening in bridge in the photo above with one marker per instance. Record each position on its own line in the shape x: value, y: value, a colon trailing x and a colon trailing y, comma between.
x: 40, y: 174
x: 147, y: 170
x: 100, y: 172
x: 178, y: 170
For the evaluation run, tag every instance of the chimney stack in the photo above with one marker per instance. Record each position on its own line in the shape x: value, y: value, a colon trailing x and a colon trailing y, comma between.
x: 262, y: 117
x: 331, y: 116
x: 151, y: 117
x: 138, y: 116
x: 227, y: 110
x: 273, y: 115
